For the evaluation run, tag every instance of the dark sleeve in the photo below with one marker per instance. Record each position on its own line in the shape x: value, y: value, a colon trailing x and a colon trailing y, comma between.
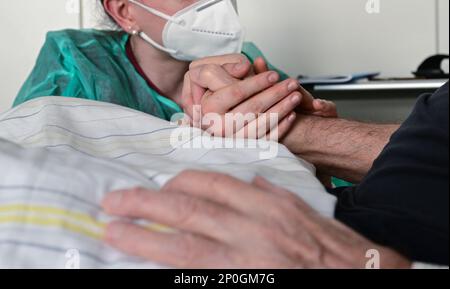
x: 403, y: 202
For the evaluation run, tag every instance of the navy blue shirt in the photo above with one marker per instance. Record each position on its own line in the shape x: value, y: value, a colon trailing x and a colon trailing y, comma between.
x: 403, y: 202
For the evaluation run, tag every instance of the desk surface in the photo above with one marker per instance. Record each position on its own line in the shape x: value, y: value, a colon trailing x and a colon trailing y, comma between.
x: 385, y: 85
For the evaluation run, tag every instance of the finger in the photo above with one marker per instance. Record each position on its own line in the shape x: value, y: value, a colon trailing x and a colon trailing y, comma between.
x: 324, y: 108
x: 192, y: 104
x: 251, y: 201
x: 236, y: 58
x: 174, y: 209
x: 283, y: 128
x: 197, y: 92
x: 214, y: 125
x: 282, y: 193
x: 237, y: 65
x: 196, y: 119
x: 240, y: 70
x: 265, y: 185
x: 225, y: 99
x: 333, y: 261
x: 307, y: 101
x: 284, y: 110
x: 187, y: 100
x: 219, y: 188
x: 270, y: 120
x: 175, y: 250
x: 337, y: 238
x: 266, y: 99
x: 260, y: 65
x: 306, y: 217
x: 319, y: 105
x: 214, y: 78
x: 208, y: 77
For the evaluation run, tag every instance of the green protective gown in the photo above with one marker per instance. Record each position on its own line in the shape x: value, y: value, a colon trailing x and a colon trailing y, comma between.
x: 93, y: 64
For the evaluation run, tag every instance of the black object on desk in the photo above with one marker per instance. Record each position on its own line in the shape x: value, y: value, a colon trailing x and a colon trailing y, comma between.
x: 431, y: 68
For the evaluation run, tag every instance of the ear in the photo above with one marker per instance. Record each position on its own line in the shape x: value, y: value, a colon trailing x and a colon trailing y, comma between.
x: 119, y: 10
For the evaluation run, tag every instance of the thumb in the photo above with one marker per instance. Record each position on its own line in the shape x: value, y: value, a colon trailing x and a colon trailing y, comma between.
x: 238, y: 70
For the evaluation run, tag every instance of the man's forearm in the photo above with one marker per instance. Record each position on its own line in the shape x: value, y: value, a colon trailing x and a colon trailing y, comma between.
x: 338, y: 147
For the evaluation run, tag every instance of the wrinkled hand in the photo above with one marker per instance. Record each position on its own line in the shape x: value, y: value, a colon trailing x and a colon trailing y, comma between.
x: 222, y: 222
x: 212, y: 93
x: 235, y: 67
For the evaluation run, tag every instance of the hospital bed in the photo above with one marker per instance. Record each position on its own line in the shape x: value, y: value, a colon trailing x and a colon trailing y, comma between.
x: 60, y: 156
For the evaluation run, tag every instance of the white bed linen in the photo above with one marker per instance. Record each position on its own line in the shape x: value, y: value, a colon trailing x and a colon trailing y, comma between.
x: 60, y: 156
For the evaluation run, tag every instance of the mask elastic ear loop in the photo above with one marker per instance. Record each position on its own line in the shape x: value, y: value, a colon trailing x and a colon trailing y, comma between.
x: 156, y: 12
x: 146, y: 38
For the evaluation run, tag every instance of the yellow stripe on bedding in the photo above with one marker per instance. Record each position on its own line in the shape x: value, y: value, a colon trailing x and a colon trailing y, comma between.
x: 79, y: 217
x: 50, y: 222
x: 60, y: 218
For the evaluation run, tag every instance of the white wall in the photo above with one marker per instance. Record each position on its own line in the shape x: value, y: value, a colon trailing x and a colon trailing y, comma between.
x: 443, y: 28
x: 338, y: 36
x: 23, y: 24
x: 93, y: 15
x: 299, y: 36
x: 443, y: 18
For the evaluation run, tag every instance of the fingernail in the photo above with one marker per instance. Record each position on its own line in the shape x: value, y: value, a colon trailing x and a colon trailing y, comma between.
x: 292, y: 117
x: 293, y: 85
x: 295, y: 99
x: 115, y: 231
x: 113, y: 200
x: 273, y: 77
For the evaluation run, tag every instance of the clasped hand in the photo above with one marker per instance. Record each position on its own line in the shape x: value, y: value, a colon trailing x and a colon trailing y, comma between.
x: 230, y: 85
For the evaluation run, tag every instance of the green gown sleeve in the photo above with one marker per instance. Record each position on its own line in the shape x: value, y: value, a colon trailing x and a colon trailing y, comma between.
x: 92, y: 64
x: 52, y: 75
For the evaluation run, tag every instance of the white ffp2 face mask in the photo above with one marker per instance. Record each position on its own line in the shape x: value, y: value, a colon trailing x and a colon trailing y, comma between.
x: 206, y: 28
